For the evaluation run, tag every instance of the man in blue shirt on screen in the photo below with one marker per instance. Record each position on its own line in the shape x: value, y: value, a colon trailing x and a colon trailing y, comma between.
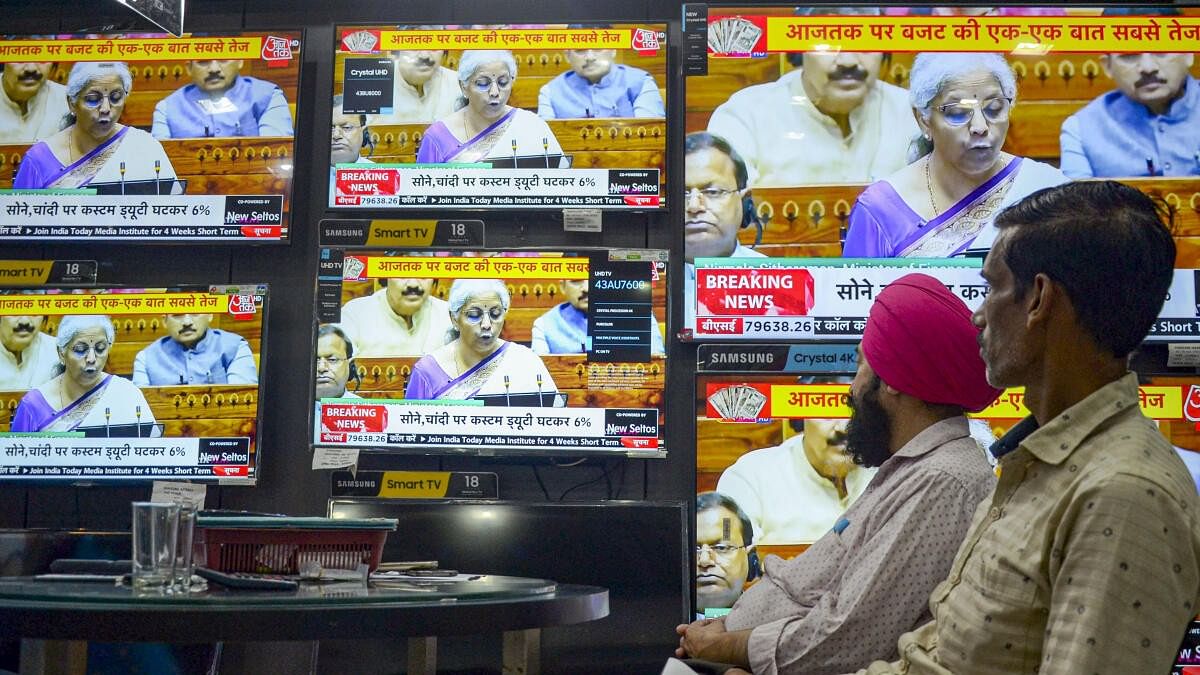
x: 221, y: 102
x: 193, y: 353
x: 596, y: 87
x: 563, y: 329
x: 1148, y: 126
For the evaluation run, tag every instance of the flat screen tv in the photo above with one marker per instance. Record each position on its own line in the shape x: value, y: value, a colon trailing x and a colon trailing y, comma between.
x: 499, y: 117
x: 482, y: 352
x: 771, y: 441
x: 131, y: 384
x: 817, y: 104
x: 147, y: 137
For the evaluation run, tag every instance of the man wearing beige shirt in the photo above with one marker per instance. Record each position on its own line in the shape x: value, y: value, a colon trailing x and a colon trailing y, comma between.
x: 1086, y: 559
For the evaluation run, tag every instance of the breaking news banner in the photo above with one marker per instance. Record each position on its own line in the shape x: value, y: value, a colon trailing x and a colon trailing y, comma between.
x: 830, y: 298
x: 81, y: 214
x: 72, y: 454
x: 416, y: 484
x: 384, y: 424
x: 754, y: 402
x: 466, y: 185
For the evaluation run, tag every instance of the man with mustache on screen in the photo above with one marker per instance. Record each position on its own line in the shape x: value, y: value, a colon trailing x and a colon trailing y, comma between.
x: 793, y: 492
x: 32, y: 105
x: 221, y: 102
x: 27, y: 355
x: 423, y: 90
x: 828, y: 121
x: 1148, y: 126
x: 402, y: 318
x: 847, y: 598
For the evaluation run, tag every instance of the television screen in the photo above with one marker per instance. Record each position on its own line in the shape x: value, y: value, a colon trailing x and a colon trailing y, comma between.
x: 803, y: 139
x: 771, y: 442
x: 131, y: 384
x: 499, y: 116
x: 503, y: 352
x: 146, y: 137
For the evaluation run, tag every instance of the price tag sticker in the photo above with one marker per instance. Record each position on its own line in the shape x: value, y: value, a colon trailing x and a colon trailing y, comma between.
x: 191, y: 494
x: 581, y: 220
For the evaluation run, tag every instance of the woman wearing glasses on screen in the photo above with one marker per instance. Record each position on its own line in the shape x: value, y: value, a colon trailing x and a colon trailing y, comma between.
x: 82, y: 396
x: 484, y: 127
x: 942, y: 204
x: 94, y: 148
x: 476, y: 362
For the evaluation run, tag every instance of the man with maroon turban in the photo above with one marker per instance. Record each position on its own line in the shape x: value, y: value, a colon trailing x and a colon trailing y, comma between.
x: 846, y: 600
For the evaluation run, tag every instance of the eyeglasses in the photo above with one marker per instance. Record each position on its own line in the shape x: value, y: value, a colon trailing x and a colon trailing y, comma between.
x: 93, y: 99
x: 345, y: 129
x: 331, y: 361
x: 711, y: 195
x: 475, y: 314
x: 484, y: 85
x: 81, y: 349
x: 960, y: 113
x: 718, y: 550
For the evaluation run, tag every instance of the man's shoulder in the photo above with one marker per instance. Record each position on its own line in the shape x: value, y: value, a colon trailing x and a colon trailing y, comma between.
x: 893, y: 95
x: 756, y: 94
x: 55, y: 89
x: 1108, y: 105
x: 1132, y: 449
x: 176, y: 97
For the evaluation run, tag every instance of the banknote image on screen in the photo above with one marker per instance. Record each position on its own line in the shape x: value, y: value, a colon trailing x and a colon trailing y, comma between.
x: 146, y: 137
x: 131, y: 384
x: 505, y: 352
x: 499, y: 116
x: 803, y: 141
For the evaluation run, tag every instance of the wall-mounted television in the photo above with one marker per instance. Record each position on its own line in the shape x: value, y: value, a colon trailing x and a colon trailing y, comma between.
x: 817, y: 103
x: 771, y: 441
x: 491, y: 352
x: 131, y: 384
x: 499, y: 116
x: 145, y: 137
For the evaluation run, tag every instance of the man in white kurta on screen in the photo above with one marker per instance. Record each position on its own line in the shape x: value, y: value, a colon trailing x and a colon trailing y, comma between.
x: 831, y: 120
x: 402, y: 318
x: 28, y: 356
x: 794, y: 492
x: 32, y: 106
x: 868, y: 579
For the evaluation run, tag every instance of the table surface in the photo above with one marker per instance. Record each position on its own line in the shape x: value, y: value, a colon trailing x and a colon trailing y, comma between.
x: 69, y: 610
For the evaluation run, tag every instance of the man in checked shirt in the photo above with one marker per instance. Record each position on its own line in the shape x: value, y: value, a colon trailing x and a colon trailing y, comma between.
x: 1086, y: 559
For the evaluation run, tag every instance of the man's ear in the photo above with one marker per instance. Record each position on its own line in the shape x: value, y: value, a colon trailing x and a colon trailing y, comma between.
x: 1106, y: 65
x: 1041, y: 300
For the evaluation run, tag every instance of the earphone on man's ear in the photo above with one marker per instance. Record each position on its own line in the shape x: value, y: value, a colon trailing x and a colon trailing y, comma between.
x: 754, y: 569
x: 367, y: 142
x: 750, y: 217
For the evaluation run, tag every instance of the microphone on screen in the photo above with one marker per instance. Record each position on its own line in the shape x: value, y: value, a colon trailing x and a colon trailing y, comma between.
x: 122, y: 179
x: 539, y: 386
x: 107, y: 417
x: 546, y: 150
x: 157, y: 173
x: 514, y: 149
x: 137, y: 413
x: 507, y: 399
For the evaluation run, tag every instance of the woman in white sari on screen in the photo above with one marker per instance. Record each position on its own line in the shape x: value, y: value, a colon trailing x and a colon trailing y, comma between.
x: 476, y: 361
x: 485, y: 128
x: 94, y: 148
x: 82, y: 395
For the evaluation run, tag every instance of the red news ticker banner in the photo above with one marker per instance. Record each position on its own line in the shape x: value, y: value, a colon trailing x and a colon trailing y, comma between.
x: 354, y: 418
x: 758, y: 291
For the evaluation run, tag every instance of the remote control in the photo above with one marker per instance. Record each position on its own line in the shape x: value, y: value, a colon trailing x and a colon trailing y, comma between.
x: 249, y: 582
